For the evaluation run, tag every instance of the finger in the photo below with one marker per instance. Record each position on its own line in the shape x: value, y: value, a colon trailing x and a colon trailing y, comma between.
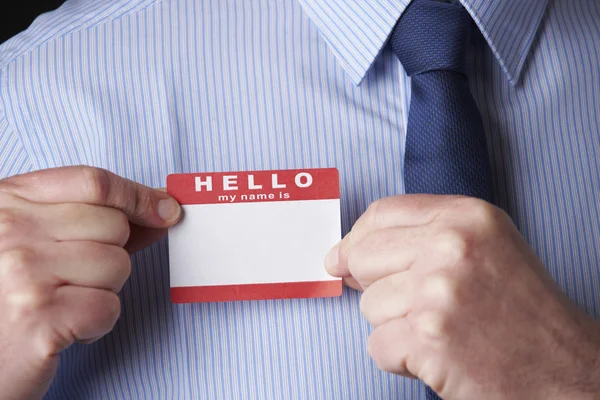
x: 83, y: 222
x: 377, y: 254
x: 385, y: 252
x: 405, y: 210
x: 332, y: 261
x: 389, y: 346
x: 142, y: 205
x: 397, y: 211
x: 400, y: 294
x: 391, y: 297
x: 62, y: 222
x: 88, y: 264
x: 352, y: 283
x: 84, y: 314
x: 413, y: 346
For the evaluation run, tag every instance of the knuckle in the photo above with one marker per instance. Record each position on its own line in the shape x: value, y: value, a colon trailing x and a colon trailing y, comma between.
x: 381, y: 208
x: 111, y: 311
x: 5, y: 184
x: 113, y: 307
x: 373, y: 349
x: 26, y: 301
x: 141, y: 204
x: 8, y: 186
x: 366, y: 301
x: 379, y: 350
x: 122, y: 228
x: 376, y: 348
x: 443, y: 288
x: 9, y: 222
x: 388, y: 299
x: 362, y: 253
x: 373, y: 209
x: 118, y: 270
x: 23, y: 291
x: 116, y: 261
x: 123, y: 262
x: 376, y: 302
x: 433, y: 326
x: 356, y: 262
x: 13, y: 261
x: 48, y: 343
x: 97, y: 184
x: 454, y: 246
x: 481, y: 213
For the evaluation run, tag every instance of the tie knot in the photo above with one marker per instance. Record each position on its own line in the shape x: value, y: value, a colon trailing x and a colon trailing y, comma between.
x: 432, y: 35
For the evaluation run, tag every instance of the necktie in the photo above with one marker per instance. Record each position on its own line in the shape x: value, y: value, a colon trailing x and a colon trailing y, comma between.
x: 446, y: 152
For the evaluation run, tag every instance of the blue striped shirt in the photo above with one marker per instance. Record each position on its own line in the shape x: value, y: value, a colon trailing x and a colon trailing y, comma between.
x: 145, y: 88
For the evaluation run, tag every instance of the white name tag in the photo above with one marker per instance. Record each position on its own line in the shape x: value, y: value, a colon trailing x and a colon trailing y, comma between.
x: 254, y: 235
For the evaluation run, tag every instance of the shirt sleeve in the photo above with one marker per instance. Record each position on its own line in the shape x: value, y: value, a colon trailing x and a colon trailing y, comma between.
x: 13, y: 156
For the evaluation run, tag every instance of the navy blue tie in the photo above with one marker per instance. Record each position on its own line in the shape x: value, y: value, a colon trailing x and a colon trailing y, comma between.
x: 446, y: 152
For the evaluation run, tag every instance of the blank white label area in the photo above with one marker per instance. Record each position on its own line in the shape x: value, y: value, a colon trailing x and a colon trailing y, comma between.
x: 245, y: 243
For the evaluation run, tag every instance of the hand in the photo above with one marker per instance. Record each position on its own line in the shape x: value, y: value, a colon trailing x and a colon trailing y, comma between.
x: 62, y: 261
x: 458, y: 299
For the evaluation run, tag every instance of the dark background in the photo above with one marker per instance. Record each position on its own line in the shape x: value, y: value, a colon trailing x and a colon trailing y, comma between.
x: 20, y: 14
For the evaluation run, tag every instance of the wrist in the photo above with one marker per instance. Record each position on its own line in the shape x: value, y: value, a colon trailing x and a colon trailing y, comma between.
x: 579, y: 379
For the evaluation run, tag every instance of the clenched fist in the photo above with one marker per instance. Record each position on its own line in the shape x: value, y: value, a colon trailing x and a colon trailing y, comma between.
x: 65, y: 238
x: 458, y: 299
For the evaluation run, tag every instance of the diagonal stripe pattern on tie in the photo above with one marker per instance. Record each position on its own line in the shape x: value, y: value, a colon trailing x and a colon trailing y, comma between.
x: 446, y: 151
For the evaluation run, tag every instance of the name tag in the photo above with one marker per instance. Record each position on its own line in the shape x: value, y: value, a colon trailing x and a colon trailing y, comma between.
x: 254, y: 235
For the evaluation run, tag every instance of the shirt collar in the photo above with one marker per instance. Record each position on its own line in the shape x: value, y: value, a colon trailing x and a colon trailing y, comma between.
x: 357, y: 30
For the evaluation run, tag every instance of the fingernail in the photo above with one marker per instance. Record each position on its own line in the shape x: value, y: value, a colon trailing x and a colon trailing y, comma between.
x: 333, y: 257
x: 168, y: 210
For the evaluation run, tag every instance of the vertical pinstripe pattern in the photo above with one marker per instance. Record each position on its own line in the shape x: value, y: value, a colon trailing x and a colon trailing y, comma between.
x: 150, y: 87
x: 14, y: 157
